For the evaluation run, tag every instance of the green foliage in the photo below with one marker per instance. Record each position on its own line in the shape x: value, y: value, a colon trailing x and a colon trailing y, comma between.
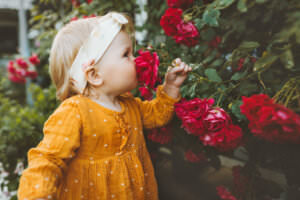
x: 21, y: 128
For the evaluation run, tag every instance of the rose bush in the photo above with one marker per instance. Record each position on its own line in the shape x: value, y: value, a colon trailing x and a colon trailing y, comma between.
x: 235, y: 50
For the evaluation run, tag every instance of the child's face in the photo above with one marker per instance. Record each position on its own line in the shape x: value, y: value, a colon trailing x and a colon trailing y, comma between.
x: 117, y: 66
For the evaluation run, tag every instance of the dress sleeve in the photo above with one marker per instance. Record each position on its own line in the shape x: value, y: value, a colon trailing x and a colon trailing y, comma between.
x: 48, y: 161
x: 159, y: 111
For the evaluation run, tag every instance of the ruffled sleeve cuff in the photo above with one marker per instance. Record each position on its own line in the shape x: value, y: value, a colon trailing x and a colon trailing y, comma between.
x: 164, y: 97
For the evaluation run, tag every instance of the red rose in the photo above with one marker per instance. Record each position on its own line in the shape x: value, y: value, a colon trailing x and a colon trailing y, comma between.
x: 21, y: 72
x: 170, y: 20
x: 192, y: 113
x: 251, y: 105
x: 225, y: 139
x: 224, y: 193
x: 180, y: 3
x: 34, y: 59
x: 216, y: 119
x: 195, y: 158
x: 187, y: 34
x: 146, y: 93
x: 89, y: 1
x: 16, y: 79
x: 270, y: 121
x: 10, y: 67
x: 31, y: 74
x: 147, y: 68
x: 213, y: 125
x: 161, y: 135
x: 277, y: 124
x: 22, y: 63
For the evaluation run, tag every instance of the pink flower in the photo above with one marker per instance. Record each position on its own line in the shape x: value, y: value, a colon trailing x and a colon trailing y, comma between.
x: 147, y: 68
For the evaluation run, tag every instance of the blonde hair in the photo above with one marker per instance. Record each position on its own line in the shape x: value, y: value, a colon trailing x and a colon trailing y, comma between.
x: 64, y: 49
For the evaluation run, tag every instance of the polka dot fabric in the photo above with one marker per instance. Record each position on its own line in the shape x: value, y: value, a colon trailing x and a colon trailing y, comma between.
x: 91, y: 152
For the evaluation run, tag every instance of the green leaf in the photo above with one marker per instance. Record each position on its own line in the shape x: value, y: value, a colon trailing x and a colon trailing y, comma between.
x: 287, y: 59
x: 235, y: 108
x: 213, y: 75
x: 238, y: 75
x: 265, y: 61
x: 202, y: 87
x: 208, y: 34
x: 248, y: 46
x: 261, y: 1
x: 202, y: 48
x: 192, y: 90
x: 218, y: 62
x: 221, y: 4
x: 199, y: 23
x: 210, y: 57
x: 242, y: 7
x: 211, y: 16
x: 246, y: 88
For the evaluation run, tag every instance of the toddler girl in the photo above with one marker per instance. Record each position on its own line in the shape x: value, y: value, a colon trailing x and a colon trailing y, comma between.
x: 93, y: 145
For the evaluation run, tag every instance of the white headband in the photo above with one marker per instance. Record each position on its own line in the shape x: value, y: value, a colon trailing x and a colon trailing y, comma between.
x: 95, y: 46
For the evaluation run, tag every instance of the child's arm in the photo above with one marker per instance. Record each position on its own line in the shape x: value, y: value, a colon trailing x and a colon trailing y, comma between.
x: 48, y: 161
x: 159, y: 111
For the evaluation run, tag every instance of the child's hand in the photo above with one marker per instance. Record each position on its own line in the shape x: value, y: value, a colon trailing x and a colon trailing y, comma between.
x: 176, y: 75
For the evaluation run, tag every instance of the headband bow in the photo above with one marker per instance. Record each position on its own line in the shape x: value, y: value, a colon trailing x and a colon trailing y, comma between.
x: 95, y: 46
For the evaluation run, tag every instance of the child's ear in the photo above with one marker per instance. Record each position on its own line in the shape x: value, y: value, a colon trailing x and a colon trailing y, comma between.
x: 93, y: 76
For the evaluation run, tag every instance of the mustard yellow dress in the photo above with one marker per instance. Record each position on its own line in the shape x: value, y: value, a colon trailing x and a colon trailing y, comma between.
x: 91, y: 152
